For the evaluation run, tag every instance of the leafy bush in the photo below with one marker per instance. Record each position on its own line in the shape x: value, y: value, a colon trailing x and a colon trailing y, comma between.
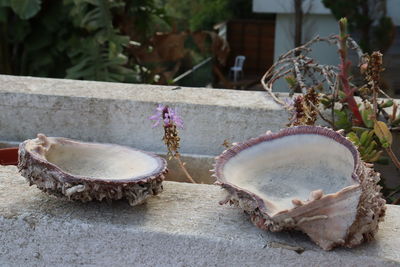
x: 77, y: 39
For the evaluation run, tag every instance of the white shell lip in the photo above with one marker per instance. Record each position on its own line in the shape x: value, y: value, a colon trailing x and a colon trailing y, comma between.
x: 38, y: 148
x: 263, y: 205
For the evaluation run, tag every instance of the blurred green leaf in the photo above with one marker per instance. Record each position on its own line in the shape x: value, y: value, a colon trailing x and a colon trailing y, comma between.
x: 25, y: 9
x: 5, y: 3
x: 3, y: 14
x: 354, y: 138
x: 367, y: 114
x: 386, y: 104
x: 383, y: 133
x: 343, y: 121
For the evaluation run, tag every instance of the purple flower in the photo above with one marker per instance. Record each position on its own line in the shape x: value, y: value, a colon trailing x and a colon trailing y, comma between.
x: 157, y: 117
x: 167, y: 115
x: 175, y: 118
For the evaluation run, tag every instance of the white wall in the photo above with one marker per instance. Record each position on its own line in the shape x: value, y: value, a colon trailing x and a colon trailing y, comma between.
x: 286, y: 6
x: 317, y: 21
x: 393, y: 11
x: 314, y: 24
x: 315, y: 7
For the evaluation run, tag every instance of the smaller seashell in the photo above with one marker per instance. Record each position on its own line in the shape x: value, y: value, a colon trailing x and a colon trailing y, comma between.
x: 90, y: 171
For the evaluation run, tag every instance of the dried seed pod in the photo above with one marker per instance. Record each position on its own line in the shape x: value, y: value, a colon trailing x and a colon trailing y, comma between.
x: 305, y: 178
x: 90, y: 171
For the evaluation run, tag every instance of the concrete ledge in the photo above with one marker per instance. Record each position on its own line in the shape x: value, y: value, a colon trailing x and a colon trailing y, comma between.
x: 183, y: 226
x: 117, y: 113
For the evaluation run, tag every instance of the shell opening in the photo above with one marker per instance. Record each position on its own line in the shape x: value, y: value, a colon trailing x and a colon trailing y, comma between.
x: 284, y: 169
x: 96, y: 160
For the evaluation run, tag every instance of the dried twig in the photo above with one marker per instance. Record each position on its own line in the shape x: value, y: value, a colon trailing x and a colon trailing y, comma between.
x: 305, y: 67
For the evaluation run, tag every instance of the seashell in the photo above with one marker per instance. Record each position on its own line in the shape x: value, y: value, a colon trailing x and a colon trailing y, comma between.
x: 90, y: 171
x: 305, y: 178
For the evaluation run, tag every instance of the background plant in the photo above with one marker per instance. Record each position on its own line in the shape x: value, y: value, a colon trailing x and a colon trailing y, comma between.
x: 79, y: 39
x: 109, y: 40
x: 328, y: 93
x: 368, y: 20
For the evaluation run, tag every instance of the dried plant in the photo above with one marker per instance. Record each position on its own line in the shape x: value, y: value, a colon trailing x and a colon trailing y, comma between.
x: 170, y: 121
x: 305, y: 108
x: 368, y: 125
x: 373, y: 67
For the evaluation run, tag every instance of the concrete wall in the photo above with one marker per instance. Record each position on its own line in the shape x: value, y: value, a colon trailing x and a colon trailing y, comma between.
x: 118, y: 113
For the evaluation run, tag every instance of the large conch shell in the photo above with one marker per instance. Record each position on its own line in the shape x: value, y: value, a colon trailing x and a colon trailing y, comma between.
x: 91, y: 171
x: 304, y: 178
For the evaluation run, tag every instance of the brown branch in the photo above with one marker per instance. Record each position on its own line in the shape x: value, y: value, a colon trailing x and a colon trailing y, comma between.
x: 304, y: 64
x: 322, y: 116
x: 393, y: 157
x: 182, y: 165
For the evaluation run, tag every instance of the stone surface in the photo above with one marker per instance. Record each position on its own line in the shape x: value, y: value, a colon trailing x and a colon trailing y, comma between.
x: 183, y: 226
x: 118, y: 113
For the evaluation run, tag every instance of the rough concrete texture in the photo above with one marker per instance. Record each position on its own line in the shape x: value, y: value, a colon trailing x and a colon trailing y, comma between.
x: 118, y: 113
x: 183, y: 226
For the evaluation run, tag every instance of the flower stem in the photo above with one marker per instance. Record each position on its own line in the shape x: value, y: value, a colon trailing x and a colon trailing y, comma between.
x: 178, y: 158
x: 393, y: 157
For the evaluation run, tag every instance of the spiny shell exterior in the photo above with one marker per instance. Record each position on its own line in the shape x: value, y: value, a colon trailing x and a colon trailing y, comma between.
x: 51, y: 179
x: 370, y: 207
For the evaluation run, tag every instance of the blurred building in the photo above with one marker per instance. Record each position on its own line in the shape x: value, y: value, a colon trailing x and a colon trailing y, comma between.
x: 318, y: 20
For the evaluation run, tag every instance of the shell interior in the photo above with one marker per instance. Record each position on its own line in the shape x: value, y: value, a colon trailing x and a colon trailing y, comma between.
x: 105, y: 161
x: 284, y: 169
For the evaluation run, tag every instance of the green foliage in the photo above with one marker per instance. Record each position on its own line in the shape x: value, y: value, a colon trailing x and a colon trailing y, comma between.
x: 204, y: 14
x: 25, y: 9
x: 367, y: 146
x: 367, y: 116
x: 291, y: 81
x: 383, y: 133
x: 208, y: 13
x: 78, y: 39
x: 199, y: 15
x: 343, y: 119
x: 99, y: 57
x: 149, y: 16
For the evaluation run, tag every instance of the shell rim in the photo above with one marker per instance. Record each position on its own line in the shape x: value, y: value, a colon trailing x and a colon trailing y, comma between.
x: 161, y: 169
x: 222, y: 159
